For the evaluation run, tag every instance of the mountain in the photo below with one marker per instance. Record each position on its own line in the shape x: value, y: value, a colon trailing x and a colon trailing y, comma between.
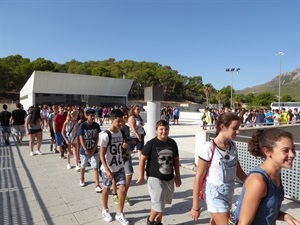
x: 290, y: 84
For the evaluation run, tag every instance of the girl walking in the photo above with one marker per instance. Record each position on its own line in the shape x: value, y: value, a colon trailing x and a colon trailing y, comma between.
x: 263, y: 193
x: 221, y: 152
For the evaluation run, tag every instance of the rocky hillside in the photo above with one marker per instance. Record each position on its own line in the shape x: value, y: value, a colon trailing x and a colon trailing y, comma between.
x: 290, y: 85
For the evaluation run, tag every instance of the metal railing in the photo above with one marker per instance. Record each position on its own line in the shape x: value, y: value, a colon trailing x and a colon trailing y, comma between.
x: 290, y: 177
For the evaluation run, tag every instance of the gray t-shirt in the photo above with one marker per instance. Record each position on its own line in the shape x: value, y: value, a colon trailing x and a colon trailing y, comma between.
x: 32, y: 125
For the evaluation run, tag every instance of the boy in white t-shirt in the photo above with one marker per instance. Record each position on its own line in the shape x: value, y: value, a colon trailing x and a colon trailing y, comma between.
x: 113, y: 166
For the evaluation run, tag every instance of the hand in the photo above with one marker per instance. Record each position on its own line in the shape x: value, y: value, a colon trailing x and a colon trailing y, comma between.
x: 291, y: 220
x: 140, y: 180
x: 177, y: 181
x: 125, y: 145
x: 195, y: 214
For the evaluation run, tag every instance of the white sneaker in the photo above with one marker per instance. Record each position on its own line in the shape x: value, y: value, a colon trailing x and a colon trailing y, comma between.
x: 81, y: 182
x: 77, y: 168
x: 38, y: 152
x: 98, y: 189
x: 106, y: 215
x: 31, y: 154
x: 69, y: 166
x: 122, y: 219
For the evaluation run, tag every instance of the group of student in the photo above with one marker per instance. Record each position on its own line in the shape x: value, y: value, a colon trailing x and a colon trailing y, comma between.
x: 262, y: 192
x: 116, y: 144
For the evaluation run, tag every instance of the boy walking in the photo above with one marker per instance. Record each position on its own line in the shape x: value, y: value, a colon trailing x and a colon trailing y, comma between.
x: 5, y: 124
x: 161, y: 154
x: 112, y: 167
x: 88, y: 133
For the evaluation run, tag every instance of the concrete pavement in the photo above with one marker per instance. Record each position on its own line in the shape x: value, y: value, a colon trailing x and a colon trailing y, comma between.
x: 40, y: 190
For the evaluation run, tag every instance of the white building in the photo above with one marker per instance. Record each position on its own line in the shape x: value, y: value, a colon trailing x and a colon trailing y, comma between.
x: 74, y: 89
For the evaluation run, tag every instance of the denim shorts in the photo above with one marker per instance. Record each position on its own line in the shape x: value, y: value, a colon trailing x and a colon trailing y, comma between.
x: 93, y: 159
x: 5, y: 129
x: 59, y: 139
x: 118, y: 176
x: 218, y: 197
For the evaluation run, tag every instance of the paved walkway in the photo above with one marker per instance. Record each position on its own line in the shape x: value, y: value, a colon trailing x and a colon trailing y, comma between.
x: 40, y: 190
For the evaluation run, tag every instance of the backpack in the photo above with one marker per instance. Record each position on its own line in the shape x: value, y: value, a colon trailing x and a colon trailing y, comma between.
x: 108, y: 144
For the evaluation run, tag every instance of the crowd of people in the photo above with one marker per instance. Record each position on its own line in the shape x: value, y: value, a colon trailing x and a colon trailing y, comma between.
x: 108, y: 153
x: 253, y: 118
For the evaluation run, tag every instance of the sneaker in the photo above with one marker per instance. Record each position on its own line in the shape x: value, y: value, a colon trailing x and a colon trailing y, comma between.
x: 127, y: 202
x: 106, y: 215
x: 62, y: 157
x: 31, y: 154
x: 122, y: 219
x: 116, y: 199
x: 38, y: 152
x: 77, y: 168
x: 81, y: 182
x: 157, y: 223
x: 7, y: 142
x: 19, y: 142
x: 69, y: 167
x: 55, y: 151
x: 98, y: 189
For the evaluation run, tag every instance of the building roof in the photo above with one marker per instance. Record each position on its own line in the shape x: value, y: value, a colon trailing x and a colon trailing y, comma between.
x: 66, y: 83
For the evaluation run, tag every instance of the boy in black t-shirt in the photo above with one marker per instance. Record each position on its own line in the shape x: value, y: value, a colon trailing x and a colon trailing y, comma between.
x: 161, y: 154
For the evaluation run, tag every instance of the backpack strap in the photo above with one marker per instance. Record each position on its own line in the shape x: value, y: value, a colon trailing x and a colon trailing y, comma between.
x: 109, y: 137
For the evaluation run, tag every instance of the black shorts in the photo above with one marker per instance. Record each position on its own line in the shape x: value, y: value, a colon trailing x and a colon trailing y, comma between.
x: 34, y: 131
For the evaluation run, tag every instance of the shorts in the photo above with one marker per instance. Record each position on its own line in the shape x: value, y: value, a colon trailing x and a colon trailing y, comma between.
x: 5, y: 130
x: 161, y: 193
x: 59, y: 139
x: 218, y: 197
x: 34, y: 131
x: 139, y: 144
x: 118, y: 176
x: 93, y: 159
x: 128, y: 166
x: 175, y: 117
x: 52, y: 135
x: 19, y: 129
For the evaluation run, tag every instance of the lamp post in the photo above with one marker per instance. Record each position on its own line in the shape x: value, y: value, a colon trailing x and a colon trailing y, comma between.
x: 280, y: 54
x: 232, y: 70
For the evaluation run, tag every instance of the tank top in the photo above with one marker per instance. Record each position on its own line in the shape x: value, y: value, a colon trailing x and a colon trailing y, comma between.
x: 269, y: 207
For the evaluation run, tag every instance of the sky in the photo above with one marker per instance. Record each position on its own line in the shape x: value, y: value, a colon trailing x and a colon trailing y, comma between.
x: 193, y: 37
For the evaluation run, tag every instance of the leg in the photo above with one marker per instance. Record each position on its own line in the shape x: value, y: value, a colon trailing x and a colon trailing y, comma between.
x: 75, y: 153
x: 105, y: 198
x: 68, y: 153
x: 39, y: 137
x: 219, y: 218
x: 31, y: 141
x: 121, y: 197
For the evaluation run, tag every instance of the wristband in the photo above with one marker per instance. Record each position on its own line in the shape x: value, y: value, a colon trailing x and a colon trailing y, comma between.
x: 196, y: 209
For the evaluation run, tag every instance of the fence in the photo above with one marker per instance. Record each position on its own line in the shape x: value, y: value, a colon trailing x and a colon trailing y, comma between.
x: 290, y: 177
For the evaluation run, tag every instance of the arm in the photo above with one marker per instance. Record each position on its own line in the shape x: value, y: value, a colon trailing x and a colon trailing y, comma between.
x: 288, y: 218
x: 103, y: 151
x: 54, y: 126
x: 195, y: 211
x: 255, y: 189
x: 63, y: 132
x: 131, y: 123
x: 27, y: 126
x: 177, y: 172
x: 240, y: 173
x: 142, y: 169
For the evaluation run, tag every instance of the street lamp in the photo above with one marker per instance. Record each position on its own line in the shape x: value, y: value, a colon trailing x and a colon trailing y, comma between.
x: 232, y: 70
x: 280, y: 54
